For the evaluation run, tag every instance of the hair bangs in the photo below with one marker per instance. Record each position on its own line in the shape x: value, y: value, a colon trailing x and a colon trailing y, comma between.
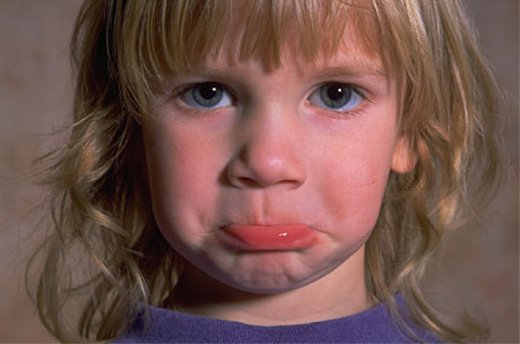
x: 158, y: 39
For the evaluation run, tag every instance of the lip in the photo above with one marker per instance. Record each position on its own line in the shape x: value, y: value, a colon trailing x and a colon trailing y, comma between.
x: 288, y: 237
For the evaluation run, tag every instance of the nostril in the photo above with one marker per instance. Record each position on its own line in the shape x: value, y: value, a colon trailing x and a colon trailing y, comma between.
x: 264, y: 161
x: 248, y: 182
x: 265, y: 171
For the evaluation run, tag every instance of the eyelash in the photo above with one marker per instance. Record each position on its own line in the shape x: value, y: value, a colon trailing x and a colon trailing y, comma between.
x: 191, y: 96
x: 343, y: 90
x: 192, y: 88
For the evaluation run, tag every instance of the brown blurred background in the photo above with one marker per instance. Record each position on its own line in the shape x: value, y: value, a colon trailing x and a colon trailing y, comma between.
x: 479, y: 266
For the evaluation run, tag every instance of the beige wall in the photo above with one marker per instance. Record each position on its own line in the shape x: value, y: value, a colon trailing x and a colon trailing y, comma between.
x: 480, y: 264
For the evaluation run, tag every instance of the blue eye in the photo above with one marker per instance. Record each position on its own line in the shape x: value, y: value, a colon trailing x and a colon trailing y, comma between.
x: 207, y: 95
x: 336, y: 96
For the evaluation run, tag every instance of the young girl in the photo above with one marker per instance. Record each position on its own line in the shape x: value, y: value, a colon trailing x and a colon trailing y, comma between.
x: 264, y: 171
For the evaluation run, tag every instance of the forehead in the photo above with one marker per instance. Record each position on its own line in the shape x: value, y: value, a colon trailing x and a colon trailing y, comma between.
x: 271, y: 32
x: 349, y: 58
x: 174, y: 37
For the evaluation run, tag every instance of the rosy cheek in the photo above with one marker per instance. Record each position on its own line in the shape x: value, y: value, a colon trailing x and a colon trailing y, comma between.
x: 351, y: 192
x: 187, y: 170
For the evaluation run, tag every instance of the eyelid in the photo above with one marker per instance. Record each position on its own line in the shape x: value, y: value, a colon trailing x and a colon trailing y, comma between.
x: 179, y: 91
x: 359, y: 92
x: 358, y: 89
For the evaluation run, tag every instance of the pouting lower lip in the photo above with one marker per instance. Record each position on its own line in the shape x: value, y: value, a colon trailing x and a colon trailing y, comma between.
x: 268, y: 238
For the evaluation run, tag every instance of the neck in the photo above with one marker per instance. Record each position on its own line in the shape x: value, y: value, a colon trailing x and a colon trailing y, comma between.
x: 340, y: 293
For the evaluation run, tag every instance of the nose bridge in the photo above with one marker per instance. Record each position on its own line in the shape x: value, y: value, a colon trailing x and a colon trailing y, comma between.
x: 268, y: 130
x: 267, y: 152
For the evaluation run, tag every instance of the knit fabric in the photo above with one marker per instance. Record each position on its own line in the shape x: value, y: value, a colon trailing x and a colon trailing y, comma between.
x: 375, y: 325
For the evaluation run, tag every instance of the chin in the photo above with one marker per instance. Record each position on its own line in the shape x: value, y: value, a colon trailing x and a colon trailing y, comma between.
x: 271, y: 283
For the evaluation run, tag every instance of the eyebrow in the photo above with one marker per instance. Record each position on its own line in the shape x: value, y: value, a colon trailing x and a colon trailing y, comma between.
x: 359, y: 68
x: 351, y: 66
x: 348, y: 69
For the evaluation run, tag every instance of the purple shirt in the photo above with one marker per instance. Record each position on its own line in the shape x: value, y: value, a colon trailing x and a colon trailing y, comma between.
x: 374, y: 325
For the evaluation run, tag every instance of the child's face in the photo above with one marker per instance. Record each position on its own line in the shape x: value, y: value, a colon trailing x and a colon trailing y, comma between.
x: 269, y: 180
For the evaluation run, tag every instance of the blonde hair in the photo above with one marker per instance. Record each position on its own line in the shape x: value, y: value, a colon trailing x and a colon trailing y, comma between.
x: 105, y: 249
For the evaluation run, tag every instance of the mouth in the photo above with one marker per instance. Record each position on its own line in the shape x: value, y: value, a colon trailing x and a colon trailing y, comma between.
x: 259, y: 238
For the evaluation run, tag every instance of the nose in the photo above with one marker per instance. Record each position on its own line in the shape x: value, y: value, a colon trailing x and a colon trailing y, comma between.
x: 268, y: 153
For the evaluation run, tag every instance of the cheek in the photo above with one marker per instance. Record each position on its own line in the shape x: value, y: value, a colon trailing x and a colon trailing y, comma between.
x: 181, y: 178
x: 353, y: 185
x: 354, y: 199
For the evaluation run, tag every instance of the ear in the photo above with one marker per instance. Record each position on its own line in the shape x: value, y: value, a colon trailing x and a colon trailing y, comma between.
x: 404, y: 156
